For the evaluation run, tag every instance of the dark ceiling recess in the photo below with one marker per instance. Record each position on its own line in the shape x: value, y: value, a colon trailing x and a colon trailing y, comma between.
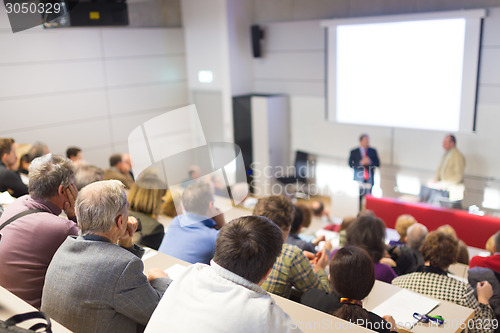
x: 80, y: 13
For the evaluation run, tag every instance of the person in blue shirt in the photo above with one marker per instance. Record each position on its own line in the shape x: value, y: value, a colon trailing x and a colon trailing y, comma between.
x: 191, y: 236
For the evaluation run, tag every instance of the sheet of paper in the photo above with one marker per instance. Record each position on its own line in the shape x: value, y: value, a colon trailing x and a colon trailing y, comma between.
x: 459, y: 278
x: 175, y: 270
x: 149, y: 254
x: 403, y: 304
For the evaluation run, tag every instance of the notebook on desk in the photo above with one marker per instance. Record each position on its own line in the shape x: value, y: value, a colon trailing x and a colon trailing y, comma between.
x: 402, y: 305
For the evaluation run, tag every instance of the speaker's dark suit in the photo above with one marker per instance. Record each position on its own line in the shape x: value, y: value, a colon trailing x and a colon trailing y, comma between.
x: 355, y: 163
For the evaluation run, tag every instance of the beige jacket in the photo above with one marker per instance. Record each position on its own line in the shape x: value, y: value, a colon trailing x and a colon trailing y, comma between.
x: 451, y: 169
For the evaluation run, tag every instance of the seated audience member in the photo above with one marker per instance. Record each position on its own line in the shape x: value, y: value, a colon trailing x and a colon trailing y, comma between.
x: 128, y: 161
x: 490, y: 245
x: 23, y: 161
x: 95, y: 282
x: 306, y: 215
x: 194, y: 173
x: 29, y: 242
x: 119, y: 171
x: 407, y: 256
x: 440, y: 251
x: 293, y: 237
x: 318, y: 209
x: 403, y: 222
x: 292, y: 268
x: 191, y: 236
x: 352, y: 277
x: 74, y: 154
x: 87, y: 174
x: 145, y: 202
x: 368, y: 232
x: 346, y: 222
x: 492, y: 262
x: 172, y: 203
x: 9, y: 179
x: 22, y: 169
x: 245, y: 251
x: 463, y: 252
x: 38, y: 149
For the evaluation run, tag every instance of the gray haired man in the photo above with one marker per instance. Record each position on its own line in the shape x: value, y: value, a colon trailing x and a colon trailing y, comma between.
x: 95, y: 281
x: 32, y: 230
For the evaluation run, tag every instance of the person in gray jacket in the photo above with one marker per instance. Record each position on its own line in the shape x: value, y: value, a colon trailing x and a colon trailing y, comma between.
x: 95, y: 282
x: 480, y: 274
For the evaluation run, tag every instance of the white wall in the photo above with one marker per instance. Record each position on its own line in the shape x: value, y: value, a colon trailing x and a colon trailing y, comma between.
x: 87, y: 87
x: 294, y: 63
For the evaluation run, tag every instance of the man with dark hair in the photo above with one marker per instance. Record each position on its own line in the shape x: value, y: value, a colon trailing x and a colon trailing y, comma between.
x: 245, y: 252
x: 450, y: 173
x: 29, y: 241
x: 364, y: 160
x: 74, y: 154
x: 191, y: 236
x: 9, y: 179
x: 119, y: 170
x: 292, y: 268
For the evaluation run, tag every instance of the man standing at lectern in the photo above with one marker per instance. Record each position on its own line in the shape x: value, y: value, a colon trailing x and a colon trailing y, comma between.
x: 450, y: 173
x: 364, y: 160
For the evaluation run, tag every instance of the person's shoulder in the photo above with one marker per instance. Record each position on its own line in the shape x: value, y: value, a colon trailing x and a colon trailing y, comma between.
x: 291, y: 249
x: 479, y: 261
x: 355, y: 150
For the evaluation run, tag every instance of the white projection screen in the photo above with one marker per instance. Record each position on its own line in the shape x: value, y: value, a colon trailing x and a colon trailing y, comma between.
x: 411, y: 71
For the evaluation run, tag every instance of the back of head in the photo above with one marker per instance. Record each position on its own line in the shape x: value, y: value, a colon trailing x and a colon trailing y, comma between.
x: 278, y: 209
x: 145, y: 196
x: 98, y: 204
x: 317, y: 207
x: 5, y: 146
x: 352, y: 276
x: 439, y: 249
x: 115, y: 159
x: 497, y: 242
x: 248, y: 246
x: 38, y: 149
x: 416, y: 234
x: 448, y: 229
x: 368, y: 232
x: 72, y: 152
x: 403, y: 222
x: 346, y: 222
x: 297, y: 220
x: 47, y: 173
x: 86, y: 174
x: 197, y: 197
x: 490, y: 245
x: 306, y: 215
x: 366, y: 212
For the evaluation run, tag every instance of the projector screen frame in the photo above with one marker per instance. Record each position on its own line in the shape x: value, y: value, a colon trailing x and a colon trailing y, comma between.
x: 470, y: 66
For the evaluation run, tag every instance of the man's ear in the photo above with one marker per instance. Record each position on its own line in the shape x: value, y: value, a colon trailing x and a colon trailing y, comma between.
x: 119, y: 221
x: 61, y: 190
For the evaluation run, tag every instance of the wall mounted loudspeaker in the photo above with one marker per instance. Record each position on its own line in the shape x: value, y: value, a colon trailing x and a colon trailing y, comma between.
x: 257, y: 35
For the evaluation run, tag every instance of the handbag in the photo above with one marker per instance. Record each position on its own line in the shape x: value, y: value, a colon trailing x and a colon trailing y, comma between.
x: 10, y: 325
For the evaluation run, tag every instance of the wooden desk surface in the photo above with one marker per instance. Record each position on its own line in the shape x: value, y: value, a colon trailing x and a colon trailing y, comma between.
x: 453, y: 314
x: 460, y: 270
x: 10, y: 305
x: 306, y: 318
